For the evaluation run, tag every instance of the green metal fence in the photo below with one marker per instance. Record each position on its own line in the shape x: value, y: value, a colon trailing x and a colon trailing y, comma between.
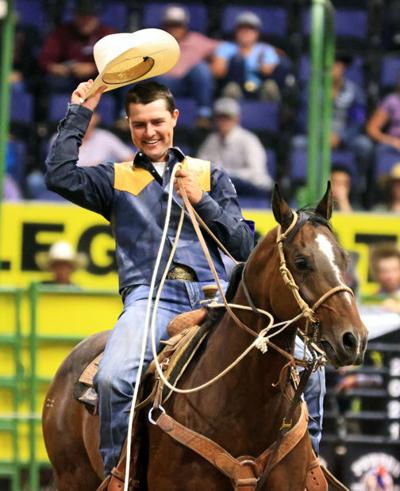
x: 22, y: 345
x: 12, y: 383
x: 322, y: 48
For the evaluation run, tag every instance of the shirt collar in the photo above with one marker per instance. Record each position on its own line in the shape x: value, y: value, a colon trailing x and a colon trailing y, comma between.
x: 175, y: 154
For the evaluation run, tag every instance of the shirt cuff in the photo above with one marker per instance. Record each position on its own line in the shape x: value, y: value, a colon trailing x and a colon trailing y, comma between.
x: 208, y: 208
x: 77, y: 117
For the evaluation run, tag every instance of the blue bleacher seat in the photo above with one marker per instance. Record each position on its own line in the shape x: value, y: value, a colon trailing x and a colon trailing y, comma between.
x: 260, y: 116
x: 386, y: 157
x: 16, y: 160
x: 354, y: 72
x: 153, y: 11
x: 187, y: 111
x: 31, y: 13
x: 274, y: 19
x: 58, y: 107
x: 113, y: 14
x: 390, y: 70
x: 21, y: 106
x: 271, y: 163
x: 351, y: 23
x: 298, y: 162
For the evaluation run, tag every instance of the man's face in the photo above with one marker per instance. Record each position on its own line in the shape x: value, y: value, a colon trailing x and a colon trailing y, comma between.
x: 86, y: 24
x: 178, y: 30
x: 225, y: 123
x: 246, y: 35
x: 340, y: 182
x: 152, y: 128
x: 62, y: 272
x: 388, y: 274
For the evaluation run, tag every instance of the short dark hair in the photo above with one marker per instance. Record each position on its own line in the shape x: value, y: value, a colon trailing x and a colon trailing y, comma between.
x: 146, y: 92
x: 339, y: 167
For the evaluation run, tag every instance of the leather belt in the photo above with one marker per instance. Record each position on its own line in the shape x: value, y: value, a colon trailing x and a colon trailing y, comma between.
x: 183, y: 273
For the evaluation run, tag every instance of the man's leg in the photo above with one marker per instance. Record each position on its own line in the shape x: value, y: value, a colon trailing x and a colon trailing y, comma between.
x: 314, y: 394
x: 118, y: 368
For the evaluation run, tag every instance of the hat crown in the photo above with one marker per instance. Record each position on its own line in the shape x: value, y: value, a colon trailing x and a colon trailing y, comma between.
x: 248, y: 18
x: 135, y: 44
x: 61, y: 251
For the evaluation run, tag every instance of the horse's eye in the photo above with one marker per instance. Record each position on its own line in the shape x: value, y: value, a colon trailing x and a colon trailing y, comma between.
x: 302, y: 263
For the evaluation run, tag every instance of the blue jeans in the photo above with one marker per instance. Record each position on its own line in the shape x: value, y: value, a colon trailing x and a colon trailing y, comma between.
x: 118, y: 368
x: 314, y: 394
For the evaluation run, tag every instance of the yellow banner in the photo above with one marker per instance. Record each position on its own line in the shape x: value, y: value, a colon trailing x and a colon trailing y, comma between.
x: 28, y: 229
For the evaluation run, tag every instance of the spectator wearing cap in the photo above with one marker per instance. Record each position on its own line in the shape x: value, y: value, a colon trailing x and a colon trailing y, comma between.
x: 391, y: 188
x: 247, y: 67
x: 62, y: 261
x: 67, y: 54
x: 191, y: 76
x: 238, y: 151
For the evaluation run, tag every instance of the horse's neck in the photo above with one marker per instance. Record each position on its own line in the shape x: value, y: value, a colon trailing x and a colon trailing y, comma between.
x: 246, y: 400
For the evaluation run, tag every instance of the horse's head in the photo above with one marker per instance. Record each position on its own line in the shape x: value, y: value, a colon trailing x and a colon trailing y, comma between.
x: 317, y: 264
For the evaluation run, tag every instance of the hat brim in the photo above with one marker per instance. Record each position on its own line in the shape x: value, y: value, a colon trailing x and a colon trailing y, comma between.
x: 44, y: 262
x: 136, y: 64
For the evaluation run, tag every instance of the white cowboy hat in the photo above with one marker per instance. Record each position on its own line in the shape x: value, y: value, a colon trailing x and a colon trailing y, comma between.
x: 60, y: 251
x: 124, y: 58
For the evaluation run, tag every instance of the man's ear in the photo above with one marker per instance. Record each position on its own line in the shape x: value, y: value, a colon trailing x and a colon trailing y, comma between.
x: 282, y: 211
x: 325, y: 206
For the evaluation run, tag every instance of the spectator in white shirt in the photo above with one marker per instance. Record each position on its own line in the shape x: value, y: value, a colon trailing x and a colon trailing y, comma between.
x: 238, y: 151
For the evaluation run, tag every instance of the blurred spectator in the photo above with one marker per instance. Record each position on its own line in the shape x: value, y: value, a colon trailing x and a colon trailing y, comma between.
x: 348, y: 118
x: 191, y: 76
x: 67, y: 53
x: 62, y: 261
x: 25, y: 73
x: 391, y: 184
x: 238, y: 150
x: 100, y: 145
x: 11, y: 188
x: 384, y: 124
x: 341, y: 188
x: 385, y: 268
x: 248, y: 67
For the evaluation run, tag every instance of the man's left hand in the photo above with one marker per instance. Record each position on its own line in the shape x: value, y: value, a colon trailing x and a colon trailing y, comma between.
x: 189, y: 183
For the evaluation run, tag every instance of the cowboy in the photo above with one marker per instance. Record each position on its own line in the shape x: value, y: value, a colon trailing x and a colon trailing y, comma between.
x: 62, y: 261
x: 133, y: 197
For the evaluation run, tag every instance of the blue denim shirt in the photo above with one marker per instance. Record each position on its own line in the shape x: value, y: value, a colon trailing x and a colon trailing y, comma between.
x: 137, y: 219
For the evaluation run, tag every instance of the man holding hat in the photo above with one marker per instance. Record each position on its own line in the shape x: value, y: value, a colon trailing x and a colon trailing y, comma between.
x: 133, y: 197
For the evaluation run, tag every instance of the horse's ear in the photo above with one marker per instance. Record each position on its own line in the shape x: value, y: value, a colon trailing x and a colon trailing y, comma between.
x: 282, y: 211
x: 325, y: 206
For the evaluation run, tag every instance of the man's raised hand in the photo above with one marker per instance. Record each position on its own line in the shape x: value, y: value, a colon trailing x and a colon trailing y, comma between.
x: 80, y: 93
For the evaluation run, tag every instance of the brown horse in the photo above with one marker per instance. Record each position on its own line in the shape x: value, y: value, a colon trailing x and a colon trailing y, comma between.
x: 242, y: 412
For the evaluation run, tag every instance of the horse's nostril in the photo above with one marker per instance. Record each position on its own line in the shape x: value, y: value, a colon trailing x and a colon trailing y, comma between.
x: 349, y: 341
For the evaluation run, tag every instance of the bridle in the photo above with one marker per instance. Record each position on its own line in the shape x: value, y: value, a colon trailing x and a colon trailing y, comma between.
x: 309, y: 313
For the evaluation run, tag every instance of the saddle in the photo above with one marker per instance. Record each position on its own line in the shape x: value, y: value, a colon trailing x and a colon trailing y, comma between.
x: 180, y: 348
